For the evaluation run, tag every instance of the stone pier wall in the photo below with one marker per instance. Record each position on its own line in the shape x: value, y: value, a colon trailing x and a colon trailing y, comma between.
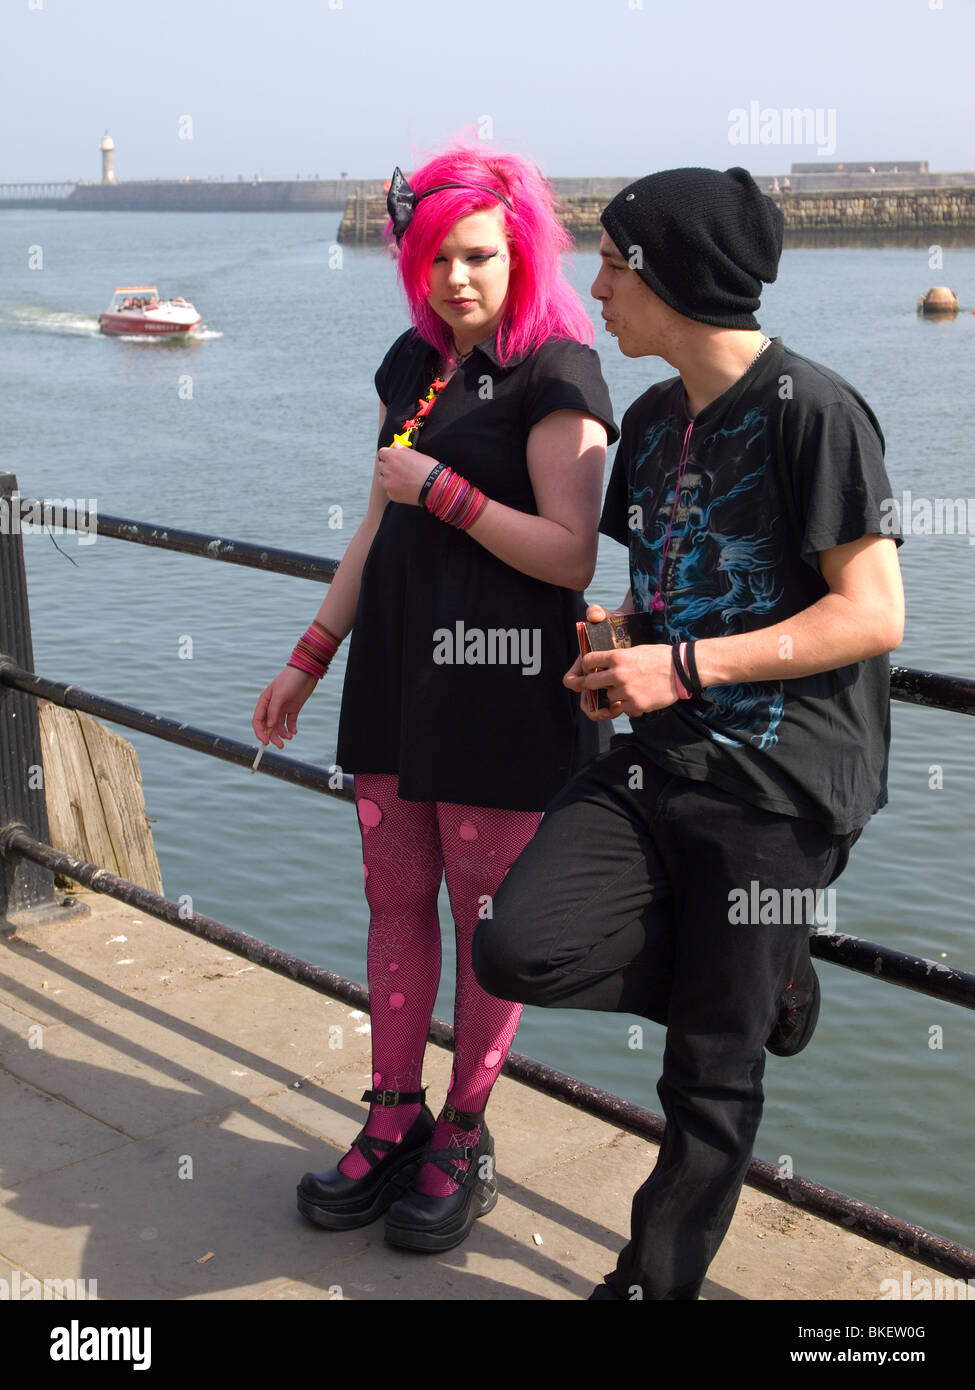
x: 892, y: 207
x: 883, y: 210
x: 299, y: 195
x: 898, y: 209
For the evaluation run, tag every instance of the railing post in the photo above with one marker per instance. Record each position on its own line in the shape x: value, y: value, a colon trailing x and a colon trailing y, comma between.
x: 27, y: 895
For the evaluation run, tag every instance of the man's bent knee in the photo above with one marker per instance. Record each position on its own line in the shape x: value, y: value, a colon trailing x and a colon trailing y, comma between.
x: 505, y: 953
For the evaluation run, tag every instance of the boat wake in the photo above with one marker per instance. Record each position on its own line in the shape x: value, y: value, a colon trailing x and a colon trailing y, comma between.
x: 33, y: 318
x: 36, y: 319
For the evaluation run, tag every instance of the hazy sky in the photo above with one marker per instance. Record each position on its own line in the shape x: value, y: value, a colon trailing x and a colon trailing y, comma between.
x: 616, y: 87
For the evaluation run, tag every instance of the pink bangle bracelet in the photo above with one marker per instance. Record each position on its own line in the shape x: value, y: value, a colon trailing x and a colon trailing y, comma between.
x: 454, y: 500
x: 314, y: 651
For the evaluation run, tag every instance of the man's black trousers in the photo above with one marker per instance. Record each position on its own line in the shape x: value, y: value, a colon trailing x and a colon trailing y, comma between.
x: 629, y: 899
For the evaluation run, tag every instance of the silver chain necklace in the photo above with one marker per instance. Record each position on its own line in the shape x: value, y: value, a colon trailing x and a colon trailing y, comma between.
x: 765, y: 344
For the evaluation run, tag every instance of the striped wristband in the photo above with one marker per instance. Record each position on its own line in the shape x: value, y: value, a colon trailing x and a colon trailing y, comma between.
x: 314, y: 651
x: 454, y: 500
x: 690, y: 662
x: 681, y: 678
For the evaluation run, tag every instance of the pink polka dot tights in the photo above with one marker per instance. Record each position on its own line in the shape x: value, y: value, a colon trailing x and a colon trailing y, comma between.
x: 407, y: 849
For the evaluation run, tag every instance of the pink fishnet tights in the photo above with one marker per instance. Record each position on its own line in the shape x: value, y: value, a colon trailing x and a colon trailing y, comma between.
x: 407, y: 848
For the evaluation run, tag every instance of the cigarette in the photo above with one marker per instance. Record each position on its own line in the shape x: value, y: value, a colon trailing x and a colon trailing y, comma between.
x: 257, y: 761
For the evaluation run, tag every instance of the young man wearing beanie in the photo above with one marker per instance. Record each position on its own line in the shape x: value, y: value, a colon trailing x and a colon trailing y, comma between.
x: 678, y: 876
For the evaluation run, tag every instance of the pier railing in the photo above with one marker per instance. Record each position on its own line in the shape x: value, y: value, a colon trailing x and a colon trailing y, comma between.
x: 28, y: 862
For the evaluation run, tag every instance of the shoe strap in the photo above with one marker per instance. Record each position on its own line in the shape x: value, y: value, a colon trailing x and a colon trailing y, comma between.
x: 463, y: 1119
x: 386, y: 1098
x: 372, y: 1148
x: 449, y: 1161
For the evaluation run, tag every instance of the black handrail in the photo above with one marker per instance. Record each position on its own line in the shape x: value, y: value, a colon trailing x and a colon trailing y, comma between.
x: 203, y: 544
x: 914, y: 687
x: 330, y: 782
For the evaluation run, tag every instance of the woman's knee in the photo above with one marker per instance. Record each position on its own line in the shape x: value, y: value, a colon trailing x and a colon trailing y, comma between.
x: 388, y: 896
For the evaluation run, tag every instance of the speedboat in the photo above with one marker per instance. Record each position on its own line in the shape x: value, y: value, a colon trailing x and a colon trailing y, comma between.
x: 137, y: 309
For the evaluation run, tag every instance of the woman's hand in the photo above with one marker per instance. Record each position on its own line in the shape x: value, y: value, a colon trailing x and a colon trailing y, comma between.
x: 277, y: 710
x: 403, y: 472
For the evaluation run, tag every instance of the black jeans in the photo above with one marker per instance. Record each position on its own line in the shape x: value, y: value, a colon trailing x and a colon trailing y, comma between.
x: 636, y: 895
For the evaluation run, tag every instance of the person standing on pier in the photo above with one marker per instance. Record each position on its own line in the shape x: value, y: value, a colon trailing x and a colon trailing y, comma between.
x: 461, y: 588
x: 749, y: 491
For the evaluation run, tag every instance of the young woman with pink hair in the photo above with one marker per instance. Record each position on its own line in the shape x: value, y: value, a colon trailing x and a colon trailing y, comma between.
x: 461, y: 588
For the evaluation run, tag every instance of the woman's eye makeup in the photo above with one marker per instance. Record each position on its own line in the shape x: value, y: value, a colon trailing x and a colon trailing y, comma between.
x: 478, y: 257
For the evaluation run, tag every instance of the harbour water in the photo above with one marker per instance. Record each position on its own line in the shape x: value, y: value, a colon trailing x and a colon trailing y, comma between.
x: 266, y: 425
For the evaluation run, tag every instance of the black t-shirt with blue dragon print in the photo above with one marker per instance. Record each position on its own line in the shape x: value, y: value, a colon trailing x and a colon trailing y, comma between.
x: 788, y: 462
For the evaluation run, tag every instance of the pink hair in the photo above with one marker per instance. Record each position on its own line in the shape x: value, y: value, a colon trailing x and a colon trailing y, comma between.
x: 540, y: 303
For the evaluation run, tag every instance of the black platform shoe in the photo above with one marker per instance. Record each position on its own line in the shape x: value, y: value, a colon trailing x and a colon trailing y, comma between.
x: 340, y: 1203
x: 798, y: 1012
x: 434, y: 1224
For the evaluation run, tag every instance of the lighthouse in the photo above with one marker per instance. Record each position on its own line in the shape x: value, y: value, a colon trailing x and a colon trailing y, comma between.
x: 108, y: 159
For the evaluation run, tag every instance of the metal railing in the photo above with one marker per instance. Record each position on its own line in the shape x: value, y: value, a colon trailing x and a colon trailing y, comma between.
x: 28, y: 862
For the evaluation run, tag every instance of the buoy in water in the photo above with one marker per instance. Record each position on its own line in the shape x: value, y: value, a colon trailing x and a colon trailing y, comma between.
x: 939, y: 300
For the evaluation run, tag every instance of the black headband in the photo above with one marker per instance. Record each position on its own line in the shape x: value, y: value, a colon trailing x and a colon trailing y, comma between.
x: 401, y: 201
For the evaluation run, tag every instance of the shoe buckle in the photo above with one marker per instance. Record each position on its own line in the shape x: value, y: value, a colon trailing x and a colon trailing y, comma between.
x: 462, y: 1118
x: 386, y: 1098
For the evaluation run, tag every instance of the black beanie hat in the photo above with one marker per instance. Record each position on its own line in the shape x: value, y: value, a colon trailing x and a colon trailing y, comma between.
x: 706, y: 241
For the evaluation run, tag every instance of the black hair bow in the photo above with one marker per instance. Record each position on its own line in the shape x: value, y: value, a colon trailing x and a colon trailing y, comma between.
x: 401, y: 201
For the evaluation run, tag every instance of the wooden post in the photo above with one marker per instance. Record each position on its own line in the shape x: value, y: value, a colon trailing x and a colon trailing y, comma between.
x: 95, y: 805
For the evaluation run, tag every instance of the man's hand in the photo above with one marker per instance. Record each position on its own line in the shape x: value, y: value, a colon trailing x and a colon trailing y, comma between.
x: 636, y: 679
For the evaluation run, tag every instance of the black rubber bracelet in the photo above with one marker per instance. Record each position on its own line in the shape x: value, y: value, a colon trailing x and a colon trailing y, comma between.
x: 694, y: 684
x: 682, y: 675
x: 434, y: 474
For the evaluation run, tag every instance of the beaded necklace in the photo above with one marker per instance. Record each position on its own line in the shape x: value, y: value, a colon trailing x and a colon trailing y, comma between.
x: 407, y: 435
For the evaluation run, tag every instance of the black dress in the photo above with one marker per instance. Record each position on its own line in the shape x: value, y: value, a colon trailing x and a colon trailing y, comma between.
x: 454, y: 677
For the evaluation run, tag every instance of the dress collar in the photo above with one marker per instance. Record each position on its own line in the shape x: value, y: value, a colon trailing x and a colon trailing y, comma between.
x: 489, y: 348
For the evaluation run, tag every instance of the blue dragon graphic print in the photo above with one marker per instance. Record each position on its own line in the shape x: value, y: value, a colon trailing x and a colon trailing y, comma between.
x: 720, y: 570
